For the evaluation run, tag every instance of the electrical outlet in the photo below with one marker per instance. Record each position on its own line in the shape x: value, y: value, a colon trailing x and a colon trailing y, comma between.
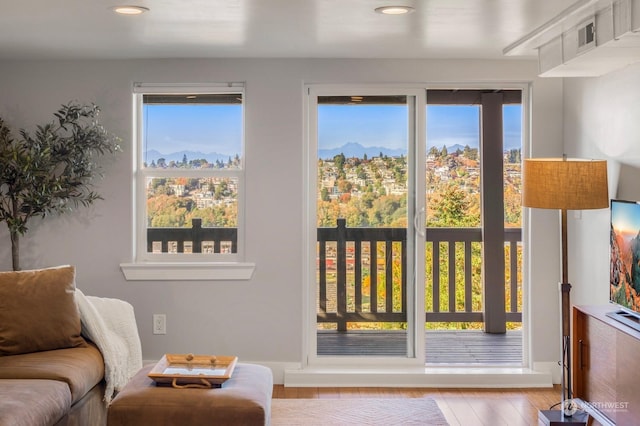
x: 159, y: 324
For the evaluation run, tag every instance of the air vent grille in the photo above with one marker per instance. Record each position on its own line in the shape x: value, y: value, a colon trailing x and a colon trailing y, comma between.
x: 586, y: 36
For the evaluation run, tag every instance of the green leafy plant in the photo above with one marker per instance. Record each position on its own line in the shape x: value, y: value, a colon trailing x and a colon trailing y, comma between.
x: 51, y: 171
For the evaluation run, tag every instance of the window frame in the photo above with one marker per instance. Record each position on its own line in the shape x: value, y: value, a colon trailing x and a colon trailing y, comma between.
x: 189, y: 266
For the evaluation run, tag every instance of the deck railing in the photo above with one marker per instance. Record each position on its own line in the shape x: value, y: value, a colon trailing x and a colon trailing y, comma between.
x: 192, y: 240
x: 362, y: 274
x: 361, y: 295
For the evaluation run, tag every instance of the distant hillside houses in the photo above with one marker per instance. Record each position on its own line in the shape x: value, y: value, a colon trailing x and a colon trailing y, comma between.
x: 356, y: 176
x: 386, y: 175
x: 205, y: 192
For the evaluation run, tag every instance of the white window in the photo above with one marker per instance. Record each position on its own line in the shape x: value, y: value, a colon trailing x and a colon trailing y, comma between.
x: 189, y: 183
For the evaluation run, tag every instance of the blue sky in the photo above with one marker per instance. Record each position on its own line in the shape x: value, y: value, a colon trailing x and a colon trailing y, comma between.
x: 217, y: 128
x: 386, y: 125
x: 202, y: 128
x: 368, y: 125
x: 626, y: 216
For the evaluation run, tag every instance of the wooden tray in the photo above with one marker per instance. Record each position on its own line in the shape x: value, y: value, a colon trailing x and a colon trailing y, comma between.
x: 193, y: 371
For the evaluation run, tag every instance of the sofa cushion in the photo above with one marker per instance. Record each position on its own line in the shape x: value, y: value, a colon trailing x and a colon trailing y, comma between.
x: 91, y: 410
x: 38, y: 311
x: 80, y: 368
x: 33, y: 402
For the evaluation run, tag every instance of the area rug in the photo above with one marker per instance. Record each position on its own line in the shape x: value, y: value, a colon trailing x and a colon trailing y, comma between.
x: 356, y: 411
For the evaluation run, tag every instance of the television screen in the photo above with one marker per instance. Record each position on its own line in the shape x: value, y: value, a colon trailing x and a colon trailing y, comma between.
x: 624, y: 286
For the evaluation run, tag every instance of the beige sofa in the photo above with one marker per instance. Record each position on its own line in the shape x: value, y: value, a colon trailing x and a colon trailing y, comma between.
x: 57, y: 387
x: 49, y: 373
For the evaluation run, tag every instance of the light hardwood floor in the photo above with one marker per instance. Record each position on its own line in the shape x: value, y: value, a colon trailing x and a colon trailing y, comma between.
x: 464, y: 407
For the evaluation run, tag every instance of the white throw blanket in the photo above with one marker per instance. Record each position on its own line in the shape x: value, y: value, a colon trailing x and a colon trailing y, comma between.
x: 111, y: 325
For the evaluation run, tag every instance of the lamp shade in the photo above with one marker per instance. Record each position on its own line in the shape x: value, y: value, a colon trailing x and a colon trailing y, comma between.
x: 565, y: 184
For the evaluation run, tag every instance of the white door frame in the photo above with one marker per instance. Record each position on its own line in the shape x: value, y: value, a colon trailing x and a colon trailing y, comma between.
x: 415, y: 204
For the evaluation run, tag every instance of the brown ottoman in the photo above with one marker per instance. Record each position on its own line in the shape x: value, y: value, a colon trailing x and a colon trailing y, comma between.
x: 244, y: 399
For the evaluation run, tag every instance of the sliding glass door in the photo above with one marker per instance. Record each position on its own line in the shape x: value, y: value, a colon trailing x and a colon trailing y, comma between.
x: 364, y: 150
x: 414, y: 224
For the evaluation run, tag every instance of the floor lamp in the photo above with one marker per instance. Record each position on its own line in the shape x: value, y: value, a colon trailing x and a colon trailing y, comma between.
x: 565, y: 184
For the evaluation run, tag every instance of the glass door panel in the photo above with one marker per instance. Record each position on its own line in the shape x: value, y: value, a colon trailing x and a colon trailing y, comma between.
x: 473, y: 258
x: 362, y: 217
x: 512, y: 128
x: 453, y: 202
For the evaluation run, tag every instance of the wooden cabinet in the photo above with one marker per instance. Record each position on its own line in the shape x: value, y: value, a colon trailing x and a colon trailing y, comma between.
x: 605, y: 372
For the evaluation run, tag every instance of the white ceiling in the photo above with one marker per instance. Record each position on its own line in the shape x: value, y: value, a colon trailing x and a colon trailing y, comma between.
x: 66, y: 29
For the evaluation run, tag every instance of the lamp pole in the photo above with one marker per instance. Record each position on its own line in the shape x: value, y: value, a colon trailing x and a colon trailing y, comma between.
x: 567, y: 405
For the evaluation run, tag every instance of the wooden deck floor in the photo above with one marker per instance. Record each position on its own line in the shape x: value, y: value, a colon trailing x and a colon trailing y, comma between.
x: 441, y: 347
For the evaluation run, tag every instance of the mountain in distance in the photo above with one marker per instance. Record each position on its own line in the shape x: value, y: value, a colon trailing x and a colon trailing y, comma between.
x: 453, y: 148
x: 212, y: 157
x: 353, y: 149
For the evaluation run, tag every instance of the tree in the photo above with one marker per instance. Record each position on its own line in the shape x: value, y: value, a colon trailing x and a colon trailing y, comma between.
x: 52, y: 170
x: 515, y: 156
x: 324, y: 194
x: 339, y: 161
x: 344, y: 186
x: 454, y: 209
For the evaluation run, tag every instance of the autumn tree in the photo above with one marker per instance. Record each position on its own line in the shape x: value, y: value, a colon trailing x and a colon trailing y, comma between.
x: 453, y: 209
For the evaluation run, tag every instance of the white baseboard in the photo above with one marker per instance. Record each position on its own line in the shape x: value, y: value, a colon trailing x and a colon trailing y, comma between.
x: 442, y: 377
x: 278, y: 369
x: 551, y: 368
x: 292, y: 374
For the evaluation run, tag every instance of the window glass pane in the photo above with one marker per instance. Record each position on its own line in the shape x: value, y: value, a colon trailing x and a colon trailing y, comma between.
x: 453, y: 166
x: 512, y: 136
x: 362, y: 160
x: 194, y: 142
x: 192, y: 215
x: 192, y: 131
x: 362, y: 196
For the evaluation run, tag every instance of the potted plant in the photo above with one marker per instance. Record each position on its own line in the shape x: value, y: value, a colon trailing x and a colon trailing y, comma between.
x: 52, y: 170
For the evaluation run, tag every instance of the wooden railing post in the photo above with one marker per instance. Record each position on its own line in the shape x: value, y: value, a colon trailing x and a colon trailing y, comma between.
x: 196, y: 235
x: 341, y: 272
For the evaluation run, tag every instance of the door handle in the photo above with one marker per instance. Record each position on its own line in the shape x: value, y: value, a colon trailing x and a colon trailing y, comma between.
x: 418, y: 222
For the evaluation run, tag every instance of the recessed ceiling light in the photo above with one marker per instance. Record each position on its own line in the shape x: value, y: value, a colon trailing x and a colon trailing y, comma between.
x: 129, y: 10
x: 394, y: 10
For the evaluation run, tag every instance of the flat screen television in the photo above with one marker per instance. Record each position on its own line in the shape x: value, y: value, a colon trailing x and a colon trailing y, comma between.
x: 624, y: 283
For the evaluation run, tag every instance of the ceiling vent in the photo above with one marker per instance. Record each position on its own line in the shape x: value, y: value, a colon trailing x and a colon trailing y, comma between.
x: 590, y: 39
x: 586, y: 36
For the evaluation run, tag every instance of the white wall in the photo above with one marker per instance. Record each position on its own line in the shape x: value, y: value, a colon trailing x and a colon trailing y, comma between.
x: 260, y: 320
x: 601, y: 121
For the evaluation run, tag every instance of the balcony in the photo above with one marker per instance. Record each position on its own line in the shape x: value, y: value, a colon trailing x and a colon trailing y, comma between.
x: 362, y: 290
x: 362, y: 280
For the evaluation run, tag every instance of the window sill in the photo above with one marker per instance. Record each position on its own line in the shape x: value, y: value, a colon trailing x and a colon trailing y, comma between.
x: 185, y: 271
